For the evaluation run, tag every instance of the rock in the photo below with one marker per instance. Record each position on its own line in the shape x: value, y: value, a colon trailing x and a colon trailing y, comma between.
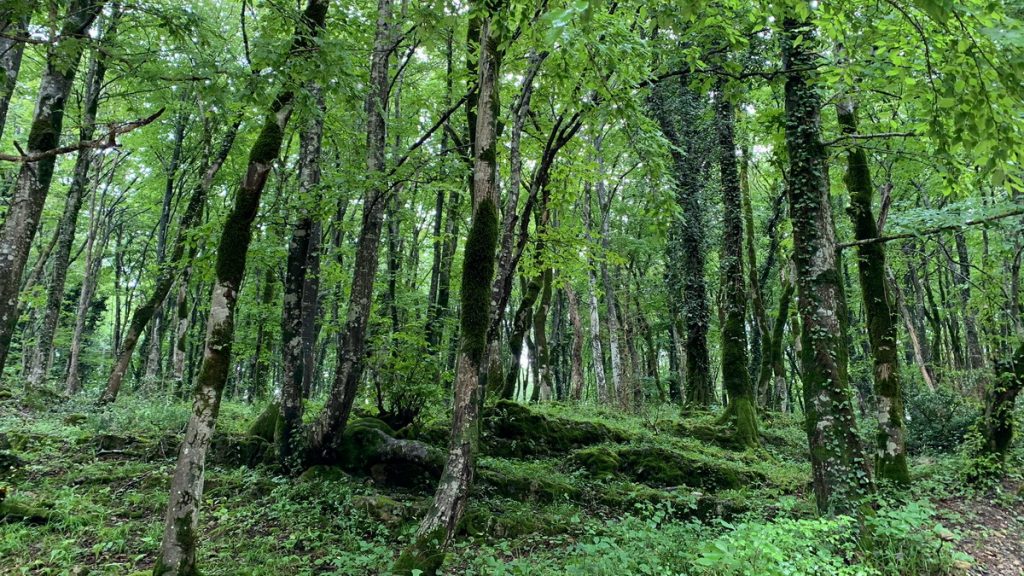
x: 382, y: 508
x: 512, y: 430
x: 600, y: 460
x: 659, y: 466
x: 234, y: 450
x: 526, y: 488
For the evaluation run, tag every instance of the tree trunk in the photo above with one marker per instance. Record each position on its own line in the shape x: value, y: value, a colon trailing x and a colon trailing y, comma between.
x: 331, y: 423
x: 741, y: 409
x: 597, y: 353
x: 178, y: 550
x: 576, y: 356
x: 840, y: 471
x: 34, y: 178
x: 439, y: 524
x: 1000, y: 397
x: 68, y: 222
x: 890, y: 446
x: 15, y: 24
x: 293, y: 344
x: 543, y: 386
x: 189, y: 220
x: 962, y: 278
x: 520, y: 325
x: 759, y: 326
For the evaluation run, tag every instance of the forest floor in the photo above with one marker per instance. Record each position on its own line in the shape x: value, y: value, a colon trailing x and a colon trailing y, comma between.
x: 560, y: 490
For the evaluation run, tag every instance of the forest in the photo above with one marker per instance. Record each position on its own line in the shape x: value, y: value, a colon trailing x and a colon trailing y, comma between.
x: 511, y: 287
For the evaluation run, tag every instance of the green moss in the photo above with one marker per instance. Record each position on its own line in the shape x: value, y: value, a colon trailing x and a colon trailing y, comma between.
x: 18, y: 510
x: 266, y: 424
x: 658, y: 466
x: 600, y: 460
x: 322, y: 473
x: 42, y: 136
x: 477, y: 274
x: 526, y: 486
x: 513, y: 430
x: 268, y: 144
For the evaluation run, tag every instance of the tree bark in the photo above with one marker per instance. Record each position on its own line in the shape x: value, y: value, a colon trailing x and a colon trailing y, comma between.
x: 576, y: 356
x: 178, y: 550
x: 879, y: 310
x: 962, y: 277
x: 438, y: 526
x: 741, y: 410
x: 293, y: 343
x: 331, y: 423
x: 840, y: 471
x: 34, y: 178
x: 14, y: 24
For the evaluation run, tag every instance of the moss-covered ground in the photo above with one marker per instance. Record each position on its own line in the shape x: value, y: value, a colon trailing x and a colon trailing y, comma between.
x: 560, y: 490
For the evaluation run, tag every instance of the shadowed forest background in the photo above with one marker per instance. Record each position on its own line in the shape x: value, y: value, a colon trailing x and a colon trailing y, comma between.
x: 511, y: 287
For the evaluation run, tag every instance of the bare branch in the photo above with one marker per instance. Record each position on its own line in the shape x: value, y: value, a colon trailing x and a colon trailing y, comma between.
x: 108, y: 141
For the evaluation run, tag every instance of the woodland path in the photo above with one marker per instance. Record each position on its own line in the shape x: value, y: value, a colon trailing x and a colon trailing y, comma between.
x: 992, y: 532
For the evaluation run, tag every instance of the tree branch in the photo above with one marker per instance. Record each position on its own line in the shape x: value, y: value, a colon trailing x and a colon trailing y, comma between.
x: 937, y: 230
x: 108, y: 141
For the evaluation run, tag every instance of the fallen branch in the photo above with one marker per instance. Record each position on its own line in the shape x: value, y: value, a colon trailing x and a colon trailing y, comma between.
x: 929, y: 232
x: 108, y: 141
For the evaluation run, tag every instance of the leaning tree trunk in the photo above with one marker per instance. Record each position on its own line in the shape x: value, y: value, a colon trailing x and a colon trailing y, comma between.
x: 520, y: 325
x: 879, y: 309
x: 33, y: 184
x: 735, y: 376
x: 437, y: 529
x: 352, y: 343
x: 841, y: 473
x: 143, y: 314
x: 293, y: 346
x: 14, y: 24
x: 178, y: 550
x: 69, y: 221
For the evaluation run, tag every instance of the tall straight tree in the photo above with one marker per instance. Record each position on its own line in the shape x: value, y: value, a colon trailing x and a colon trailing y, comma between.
x: 879, y: 309
x: 735, y: 376
x: 439, y: 525
x: 33, y: 184
x: 352, y: 341
x: 14, y: 21
x: 178, y: 549
x: 840, y: 471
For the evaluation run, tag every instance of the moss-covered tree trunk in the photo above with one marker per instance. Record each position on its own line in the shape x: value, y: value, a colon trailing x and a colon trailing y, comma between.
x: 879, y: 310
x: 34, y: 178
x: 191, y: 218
x: 438, y: 527
x: 542, y: 388
x: 293, y: 344
x: 1000, y: 397
x: 759, y: 333
x: 841, y: 473
x: 741, y: 409
x: 177, y: 554
x: 679, y: 112
x: 329, y: 426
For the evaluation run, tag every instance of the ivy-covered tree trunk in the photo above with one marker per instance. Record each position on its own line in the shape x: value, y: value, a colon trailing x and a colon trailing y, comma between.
x: 34, y: 178
x: 841, y: 474
x: 14, y: 22
x: 349, y: 368
x: 177, y: 554
x: 1000, y: 397
x: 191, y: 218
x: 879, y: 310
x: 759, y: 333
x: 678, y: 111
x: 293, y: 345
x: 69, y: 221
x: 741, y: 410
x: 437, y: 529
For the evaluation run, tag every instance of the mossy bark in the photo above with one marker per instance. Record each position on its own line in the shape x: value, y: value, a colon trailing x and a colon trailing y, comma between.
x: 879, y: 310
x: 735, y: 376
x: 440, y: 523
x: 15, y: 23
x: 33, y: 183
x: 348, y: 370
x: 177, y: 554
x: 841, y: 473
x: 680, y: 113
x: 1000, y: 397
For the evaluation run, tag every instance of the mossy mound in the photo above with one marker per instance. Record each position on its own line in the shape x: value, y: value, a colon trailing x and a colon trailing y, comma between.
x: 512, y: 430
x: 323, y: 473
x: 385, y: 509
x: 526, y: 487
x: 368, y: 446
x: 19, y: 510
x: 511, y: 520
x: 657, y: 466
x: 600, y: 460
x: 241, y: 450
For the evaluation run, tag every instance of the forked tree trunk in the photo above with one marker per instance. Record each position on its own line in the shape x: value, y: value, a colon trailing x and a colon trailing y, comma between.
x: 327, y: 429
x: 741, y: 410
x: 143, y: 314
x: 33, y: 183
x: 292, y: 342
x: 840, y: 471
x: 438, y: 526
x: 181, y: 527
x: 879, y: 309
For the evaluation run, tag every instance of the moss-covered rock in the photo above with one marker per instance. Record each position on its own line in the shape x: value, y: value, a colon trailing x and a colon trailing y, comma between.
x: 601, y: 461
x: 513, y: 430
x: 75, y: 419
x: 658, y: 466
x: 18, y: 510
x: 525, y: 487
x: 323, y: 473
x: 10, y: 461
x: 240, y: 450
x: 423, y: 557
x: 368, y: 447
x: 382, y: 508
